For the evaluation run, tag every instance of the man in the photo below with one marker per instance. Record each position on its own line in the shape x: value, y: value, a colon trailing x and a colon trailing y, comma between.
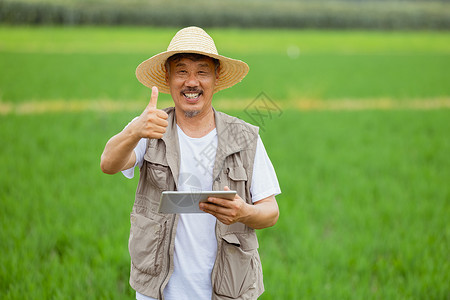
x: 194, y: 256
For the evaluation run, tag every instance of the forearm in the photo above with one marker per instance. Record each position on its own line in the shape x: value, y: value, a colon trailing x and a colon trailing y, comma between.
x: 118, y: 153
x: 262, y: 214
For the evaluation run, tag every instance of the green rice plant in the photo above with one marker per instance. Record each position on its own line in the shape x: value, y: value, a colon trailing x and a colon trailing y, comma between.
x: 364, y: 205
x: 365, y: 197
x: 363, y: 210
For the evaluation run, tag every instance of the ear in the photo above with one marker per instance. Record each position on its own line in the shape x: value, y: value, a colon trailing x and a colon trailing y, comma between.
x: 167, y: 77
x: 217, y: 75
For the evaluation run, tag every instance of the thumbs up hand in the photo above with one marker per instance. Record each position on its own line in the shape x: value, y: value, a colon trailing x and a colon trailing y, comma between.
x: 152, y: 123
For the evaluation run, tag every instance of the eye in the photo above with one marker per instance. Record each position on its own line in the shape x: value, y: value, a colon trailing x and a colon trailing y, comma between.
x: 181, y: 72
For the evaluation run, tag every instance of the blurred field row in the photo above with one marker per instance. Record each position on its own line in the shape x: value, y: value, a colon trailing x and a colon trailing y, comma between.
x: 65, y: 106
x: 148, y: 40
x: 288, y: 65
x: 341, y: 14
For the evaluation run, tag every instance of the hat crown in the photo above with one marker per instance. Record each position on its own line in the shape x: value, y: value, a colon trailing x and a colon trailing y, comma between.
x: 192, y: 39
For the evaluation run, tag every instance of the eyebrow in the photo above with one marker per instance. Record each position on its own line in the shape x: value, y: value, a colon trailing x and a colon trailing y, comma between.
x: 203, y: 65
x: 180, y: 64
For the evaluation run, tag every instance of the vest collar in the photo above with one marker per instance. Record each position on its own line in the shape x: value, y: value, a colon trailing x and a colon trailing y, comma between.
x: 170, y: 139
x: 229, y: 140
x: 227, y: 134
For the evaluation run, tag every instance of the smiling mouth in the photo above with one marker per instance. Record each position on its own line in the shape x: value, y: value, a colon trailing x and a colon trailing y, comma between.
x: 192, y: 96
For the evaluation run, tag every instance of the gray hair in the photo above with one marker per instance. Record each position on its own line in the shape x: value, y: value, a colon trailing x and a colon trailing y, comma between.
x: 192, y: 56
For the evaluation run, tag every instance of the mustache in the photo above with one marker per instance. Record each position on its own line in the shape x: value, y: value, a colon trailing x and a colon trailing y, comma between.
x: 191, y: 90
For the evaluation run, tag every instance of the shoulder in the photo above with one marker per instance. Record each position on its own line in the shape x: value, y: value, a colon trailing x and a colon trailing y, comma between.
x: 238, y: 123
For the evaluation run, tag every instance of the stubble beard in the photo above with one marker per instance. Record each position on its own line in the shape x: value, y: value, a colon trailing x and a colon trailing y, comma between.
x: 191, y: 113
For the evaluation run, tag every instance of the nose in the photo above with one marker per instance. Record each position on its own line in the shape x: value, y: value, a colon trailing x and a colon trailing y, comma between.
x: 192, y: 80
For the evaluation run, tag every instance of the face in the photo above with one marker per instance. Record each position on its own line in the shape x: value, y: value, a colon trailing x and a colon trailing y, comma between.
x: 191, y: 85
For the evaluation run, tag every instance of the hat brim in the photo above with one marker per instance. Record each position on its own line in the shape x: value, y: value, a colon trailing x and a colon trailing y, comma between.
x: 152, y: 71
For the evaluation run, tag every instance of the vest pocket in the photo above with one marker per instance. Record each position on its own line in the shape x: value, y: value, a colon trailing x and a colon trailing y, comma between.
x: 237, y: 180
x: 237, y: 173
x: 158, y: 175
x: 238, y: 265
x: 145, y: 244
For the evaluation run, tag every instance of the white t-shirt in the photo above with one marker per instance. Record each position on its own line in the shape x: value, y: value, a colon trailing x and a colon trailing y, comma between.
x: 195, y: 239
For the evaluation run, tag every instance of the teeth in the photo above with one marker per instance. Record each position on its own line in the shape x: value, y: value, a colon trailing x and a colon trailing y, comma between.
x: 192, y: 95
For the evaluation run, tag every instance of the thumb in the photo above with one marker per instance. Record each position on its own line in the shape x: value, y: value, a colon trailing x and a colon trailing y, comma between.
x: 154, y: 98
x: 226, y: 188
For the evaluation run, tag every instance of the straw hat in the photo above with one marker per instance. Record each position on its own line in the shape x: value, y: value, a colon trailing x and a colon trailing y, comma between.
x: 151, y: 72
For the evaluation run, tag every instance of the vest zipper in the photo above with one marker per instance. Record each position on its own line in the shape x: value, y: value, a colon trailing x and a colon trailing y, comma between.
x: 161, y: 289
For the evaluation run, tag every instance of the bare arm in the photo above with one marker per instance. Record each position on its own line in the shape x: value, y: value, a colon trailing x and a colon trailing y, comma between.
x: 262, y: 214
x: 118, y: 154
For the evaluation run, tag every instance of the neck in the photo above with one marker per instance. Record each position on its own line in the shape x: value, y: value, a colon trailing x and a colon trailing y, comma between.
x: 196, y: 126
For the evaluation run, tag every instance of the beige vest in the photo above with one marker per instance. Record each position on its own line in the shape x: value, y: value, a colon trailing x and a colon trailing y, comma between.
x: 237, y: 272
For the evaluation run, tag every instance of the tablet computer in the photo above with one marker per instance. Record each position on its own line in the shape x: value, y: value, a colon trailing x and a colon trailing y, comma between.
x: 176, y: 202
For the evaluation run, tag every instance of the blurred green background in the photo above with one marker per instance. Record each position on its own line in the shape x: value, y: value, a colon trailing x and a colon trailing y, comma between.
x: 360, y: 142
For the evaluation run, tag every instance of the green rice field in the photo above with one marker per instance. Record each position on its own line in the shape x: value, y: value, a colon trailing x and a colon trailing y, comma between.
x: 360, y: 145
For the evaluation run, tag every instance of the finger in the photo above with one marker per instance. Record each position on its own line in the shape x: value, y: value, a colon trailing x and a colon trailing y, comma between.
x: 162, y: 114
x: 219, y: 202
x: 154, y: 97
x: 220, y: 216
x: 160, y: 122
x: 226, y: 188
x: 214, y: 209
x: 158, y: 129
x: 154, y: 135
